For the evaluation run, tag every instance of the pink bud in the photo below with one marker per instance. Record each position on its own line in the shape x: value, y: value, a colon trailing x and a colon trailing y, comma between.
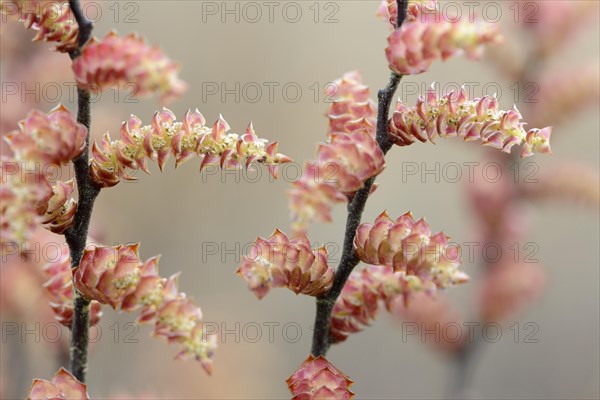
x: 537, y: 140
x: 349, y: 160
x: 61, y: 208
x: 282, y: 262
x: 108, y: 274
x: 317, y: 378
x: 63, y: 386
x: 54, y: 138
x: 352, y: 107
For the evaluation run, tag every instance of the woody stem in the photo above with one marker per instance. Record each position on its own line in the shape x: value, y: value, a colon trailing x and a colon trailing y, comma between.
x: 76, y: 235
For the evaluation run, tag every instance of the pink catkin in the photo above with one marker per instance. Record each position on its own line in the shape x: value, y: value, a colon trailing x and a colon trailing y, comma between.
x: 454, y: 115
x: 51, y: 19
x: 186, y: 139
x: 428, y: 36
x: 116, y: 276
x: 423, y: 261
x: 128, y: 61
x: 345, y: 161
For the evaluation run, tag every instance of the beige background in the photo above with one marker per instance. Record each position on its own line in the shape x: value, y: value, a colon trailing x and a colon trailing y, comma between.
x: 176, y: 212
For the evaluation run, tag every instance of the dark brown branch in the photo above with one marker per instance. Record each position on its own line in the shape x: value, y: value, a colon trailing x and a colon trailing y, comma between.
x: 76, y: 235
x: 84, y: 24
x: 321, y: 341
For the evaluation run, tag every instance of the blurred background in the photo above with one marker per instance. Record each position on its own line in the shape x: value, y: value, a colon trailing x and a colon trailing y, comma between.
x: 269, y: 62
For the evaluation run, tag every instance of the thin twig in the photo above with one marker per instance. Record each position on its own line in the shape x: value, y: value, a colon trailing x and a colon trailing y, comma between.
x: 321, y: 341
x: 76, y: 235
x: 460, y: 378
